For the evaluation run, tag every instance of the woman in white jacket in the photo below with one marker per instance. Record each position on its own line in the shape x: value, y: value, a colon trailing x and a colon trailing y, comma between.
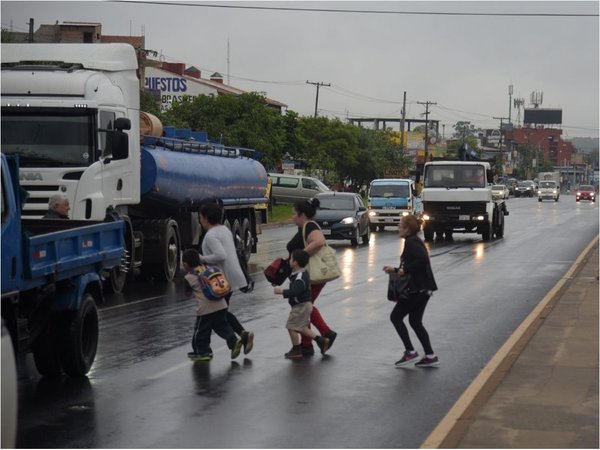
x: 218, y: 249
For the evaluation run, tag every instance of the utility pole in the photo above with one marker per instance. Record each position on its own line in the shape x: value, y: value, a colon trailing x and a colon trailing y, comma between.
x: 318, y: 85
x: 510, y: 92
x: 402, y: 122
x: 427, y: 103
x: 501, y: 119
x: 31, y: 31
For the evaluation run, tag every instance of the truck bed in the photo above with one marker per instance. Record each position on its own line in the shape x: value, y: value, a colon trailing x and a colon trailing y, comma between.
x: 56, y: 250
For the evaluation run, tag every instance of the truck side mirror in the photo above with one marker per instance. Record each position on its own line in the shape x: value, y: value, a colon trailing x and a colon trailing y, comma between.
x: 117, y: 144
x: 122, y: 123
x: 490, y: 176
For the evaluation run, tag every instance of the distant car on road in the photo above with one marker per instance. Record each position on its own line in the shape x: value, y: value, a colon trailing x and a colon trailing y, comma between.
x: 525, y: 189
x: 499, y: 191
x: 548, y: 190
x: 343, y: 215
x: 586, y: 192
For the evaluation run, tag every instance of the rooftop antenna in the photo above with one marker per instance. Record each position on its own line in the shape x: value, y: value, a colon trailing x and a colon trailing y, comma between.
x: 228, y: 72
x: 536, y: 98
x: 518, y: 103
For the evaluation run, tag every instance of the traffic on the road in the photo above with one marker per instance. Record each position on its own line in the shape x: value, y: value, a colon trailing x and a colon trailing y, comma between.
x: 144, y: 392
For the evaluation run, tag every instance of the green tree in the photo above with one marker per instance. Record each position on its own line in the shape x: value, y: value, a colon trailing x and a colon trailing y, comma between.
x: 243, y: 120
x: 464, y: 130
x: 149, y: 103
x: 7, y: 36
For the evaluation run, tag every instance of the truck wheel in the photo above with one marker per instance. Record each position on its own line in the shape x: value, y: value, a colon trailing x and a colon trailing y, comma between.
x: 381, y: 227
x: 540, y: 199
x: 500, y: 228
x: 428, y: 233
x: 247, y: 240
x: 82, y: 339
x: 556, y: 199
x: 236, y: 230
x: 117, y: 276
x: 373, y: 228
x: 486, y: 232
x: 46, y: 351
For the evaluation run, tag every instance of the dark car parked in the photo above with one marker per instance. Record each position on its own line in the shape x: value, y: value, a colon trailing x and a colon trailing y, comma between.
x: 586, y: 192
x: 343, y: 215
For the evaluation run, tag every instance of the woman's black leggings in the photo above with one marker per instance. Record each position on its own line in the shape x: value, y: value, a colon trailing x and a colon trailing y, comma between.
x: 414, y: 307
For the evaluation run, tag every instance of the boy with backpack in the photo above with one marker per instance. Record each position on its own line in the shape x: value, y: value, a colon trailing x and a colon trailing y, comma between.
x: 210, y: 314
x: 299, y: 298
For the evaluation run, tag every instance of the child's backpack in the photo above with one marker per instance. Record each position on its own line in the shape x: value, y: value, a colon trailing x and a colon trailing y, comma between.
x: 213, y: 282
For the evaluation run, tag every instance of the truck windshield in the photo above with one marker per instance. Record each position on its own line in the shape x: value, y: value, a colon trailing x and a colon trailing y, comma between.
x: 547, y: 184
x: 389, y: 190
x: 454, y: 176
x: 42, y: 140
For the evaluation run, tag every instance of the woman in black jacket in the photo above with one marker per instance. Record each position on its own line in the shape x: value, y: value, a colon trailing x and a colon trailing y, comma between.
x: 414, y: 261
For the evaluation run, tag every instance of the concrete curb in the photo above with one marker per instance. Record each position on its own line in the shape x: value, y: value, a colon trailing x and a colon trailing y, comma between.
x: 450, y: 430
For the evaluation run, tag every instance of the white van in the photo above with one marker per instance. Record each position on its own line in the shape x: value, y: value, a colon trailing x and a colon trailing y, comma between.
x: 287, y: 188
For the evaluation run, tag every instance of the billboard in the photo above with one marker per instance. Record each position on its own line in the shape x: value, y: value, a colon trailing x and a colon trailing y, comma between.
x: 545, y: 116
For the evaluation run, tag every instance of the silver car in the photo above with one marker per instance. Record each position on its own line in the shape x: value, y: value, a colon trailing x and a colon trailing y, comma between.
x: 499, y: 192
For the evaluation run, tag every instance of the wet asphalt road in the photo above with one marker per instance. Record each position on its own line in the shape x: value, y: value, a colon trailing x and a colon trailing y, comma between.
x: 144, y: 393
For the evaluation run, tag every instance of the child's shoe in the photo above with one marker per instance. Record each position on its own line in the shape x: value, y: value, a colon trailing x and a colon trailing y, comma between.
x: 294, y: 353
x: 247, y: 341
x: 308, y: 350
x: 237, y: 348
x: 200, y: 356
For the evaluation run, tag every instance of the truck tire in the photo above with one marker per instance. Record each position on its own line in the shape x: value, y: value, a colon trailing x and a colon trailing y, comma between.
x: 117, y: 277
x: 428, y: 232
x: 499, y: 232
x: 236, y: 230
x: 373, y: 228
x: 46, y: 351
x: 82, y: 338
x: 381, y: 227
x: 247, y: 240
x: 486, y: 231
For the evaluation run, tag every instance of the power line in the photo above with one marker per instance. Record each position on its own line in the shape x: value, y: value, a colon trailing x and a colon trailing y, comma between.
x: 360, y: 11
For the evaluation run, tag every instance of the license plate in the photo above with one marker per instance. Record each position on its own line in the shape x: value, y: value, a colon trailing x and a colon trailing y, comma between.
x: 464, y: 217
x: 326, y: 232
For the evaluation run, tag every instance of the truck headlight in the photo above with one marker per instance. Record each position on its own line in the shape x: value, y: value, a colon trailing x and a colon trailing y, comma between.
x: 480, y: 217
x: 372, y: 213
x: 404, y: 213
x: 348, y: 220
x: 426, y: 217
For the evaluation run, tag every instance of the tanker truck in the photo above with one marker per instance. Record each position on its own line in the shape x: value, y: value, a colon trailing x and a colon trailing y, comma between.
x: 72, y: 114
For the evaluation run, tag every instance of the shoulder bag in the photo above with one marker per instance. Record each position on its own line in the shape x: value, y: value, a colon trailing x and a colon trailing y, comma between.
x: 398, y: 287
x: 322, y: 266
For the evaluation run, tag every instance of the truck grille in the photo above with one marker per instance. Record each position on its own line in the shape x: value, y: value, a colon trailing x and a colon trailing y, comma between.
x: 454, y: 208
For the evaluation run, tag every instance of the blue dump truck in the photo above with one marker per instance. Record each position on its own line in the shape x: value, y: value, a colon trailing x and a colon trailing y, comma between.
x: 389, y: 199
x: 51, y: 281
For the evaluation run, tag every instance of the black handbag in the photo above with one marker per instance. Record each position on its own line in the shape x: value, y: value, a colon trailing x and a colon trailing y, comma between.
x: 398, y: 287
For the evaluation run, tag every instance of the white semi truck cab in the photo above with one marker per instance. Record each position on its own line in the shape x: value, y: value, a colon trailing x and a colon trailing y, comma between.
x: 457, y: 198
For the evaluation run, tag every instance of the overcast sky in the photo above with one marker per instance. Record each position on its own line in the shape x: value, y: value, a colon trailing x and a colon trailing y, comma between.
x: 464, y: 63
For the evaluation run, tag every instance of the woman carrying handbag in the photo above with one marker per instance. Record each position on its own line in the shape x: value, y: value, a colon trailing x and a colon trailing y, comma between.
x: 414, y: 261
x: 304, y: 211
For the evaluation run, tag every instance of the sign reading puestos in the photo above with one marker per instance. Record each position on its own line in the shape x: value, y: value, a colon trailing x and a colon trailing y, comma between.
x: 170, y: 87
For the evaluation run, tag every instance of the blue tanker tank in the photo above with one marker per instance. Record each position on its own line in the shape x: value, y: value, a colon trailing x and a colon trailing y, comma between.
x: 184, y: 173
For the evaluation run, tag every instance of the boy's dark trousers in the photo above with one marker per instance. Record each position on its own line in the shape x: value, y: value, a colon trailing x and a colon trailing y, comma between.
x: 216, y: 321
